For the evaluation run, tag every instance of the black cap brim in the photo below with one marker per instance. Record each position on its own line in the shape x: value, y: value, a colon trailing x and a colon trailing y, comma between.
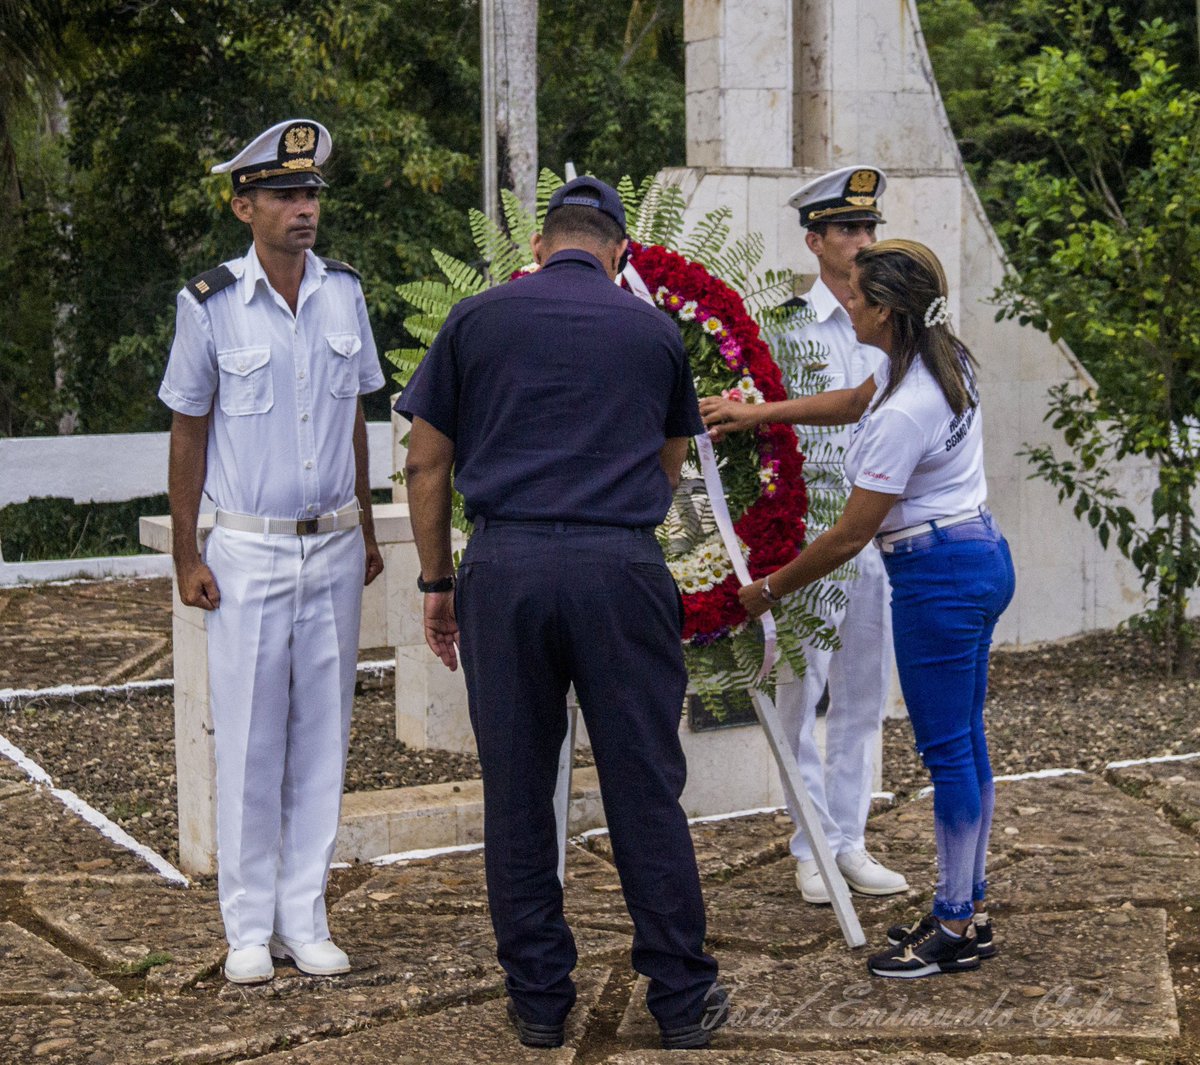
x: 307, y: 180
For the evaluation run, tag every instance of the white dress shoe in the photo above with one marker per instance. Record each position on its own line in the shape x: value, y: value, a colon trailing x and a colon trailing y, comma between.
x: 866, y: 876
x: 249, y: 965
x: 808, y: 880
x: 316, y: 959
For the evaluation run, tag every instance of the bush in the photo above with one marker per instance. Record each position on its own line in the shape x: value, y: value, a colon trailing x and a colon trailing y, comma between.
x: 54, y: 528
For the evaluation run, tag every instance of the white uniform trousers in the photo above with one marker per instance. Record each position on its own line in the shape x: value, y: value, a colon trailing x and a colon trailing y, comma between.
x: 859, y: 676
x: 282, y: 653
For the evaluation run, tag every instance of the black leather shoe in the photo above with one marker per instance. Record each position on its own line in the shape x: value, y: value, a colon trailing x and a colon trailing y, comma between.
x: 698, y: 1036
x: 535, y: 1035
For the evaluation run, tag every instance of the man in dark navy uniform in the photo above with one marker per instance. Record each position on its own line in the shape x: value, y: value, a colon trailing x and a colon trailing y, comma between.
x: 564, y: 404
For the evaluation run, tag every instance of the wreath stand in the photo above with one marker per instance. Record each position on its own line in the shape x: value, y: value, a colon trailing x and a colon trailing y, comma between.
x: 768, y: 718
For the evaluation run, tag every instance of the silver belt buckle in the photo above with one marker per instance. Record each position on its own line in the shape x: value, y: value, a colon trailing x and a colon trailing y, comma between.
x: 307, y: 526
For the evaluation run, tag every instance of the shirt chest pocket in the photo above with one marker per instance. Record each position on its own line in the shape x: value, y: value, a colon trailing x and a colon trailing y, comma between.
x: 246, y: 386
x: 343, y: 364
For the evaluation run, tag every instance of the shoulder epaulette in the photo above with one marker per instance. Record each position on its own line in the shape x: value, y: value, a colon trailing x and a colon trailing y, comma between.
x: 795, y: 303
x: 210, y: 282
x: 337, y: 264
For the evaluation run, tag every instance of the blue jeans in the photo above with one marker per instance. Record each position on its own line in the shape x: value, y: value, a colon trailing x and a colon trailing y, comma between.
x: 949, y: 587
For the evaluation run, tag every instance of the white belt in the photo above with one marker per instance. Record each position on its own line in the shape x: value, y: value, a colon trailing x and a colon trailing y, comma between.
x: 347, y: 518
x: 886, y: 540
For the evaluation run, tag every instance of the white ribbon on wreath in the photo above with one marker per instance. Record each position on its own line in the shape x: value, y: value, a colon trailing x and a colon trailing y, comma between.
x: 719, y: 504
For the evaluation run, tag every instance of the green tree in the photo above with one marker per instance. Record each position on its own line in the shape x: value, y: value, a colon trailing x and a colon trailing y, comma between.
x: 1104, y: 232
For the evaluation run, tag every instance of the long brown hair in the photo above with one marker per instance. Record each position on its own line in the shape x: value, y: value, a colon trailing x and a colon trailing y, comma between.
x: 907, y: 277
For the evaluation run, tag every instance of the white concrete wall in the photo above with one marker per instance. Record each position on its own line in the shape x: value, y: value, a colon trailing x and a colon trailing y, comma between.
x: 863, y: 92
x: 112, y: 468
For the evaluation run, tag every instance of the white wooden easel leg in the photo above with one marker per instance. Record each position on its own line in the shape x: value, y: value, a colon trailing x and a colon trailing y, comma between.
x: 562, y: 790
x: 793, y: 784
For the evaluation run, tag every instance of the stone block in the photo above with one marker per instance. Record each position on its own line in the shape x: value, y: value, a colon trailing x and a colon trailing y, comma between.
x: 757, y: 46
x: 43, y: 840
x: 728, y: 769
x: 703, y: 114
x: 703, y: 59
x: 34, y: 971
x: 727, y: 847
x: 178, y: 929
x: 465, y: 1035
x: 1060, y: 978
x: 764, y: 907
x: 196, y: 780
x: 431, y: 702
x: 702, y: 19
x: 404, y: 624
x: 1173, y: 785
x: 844, y: 1057
x: 757, y: 124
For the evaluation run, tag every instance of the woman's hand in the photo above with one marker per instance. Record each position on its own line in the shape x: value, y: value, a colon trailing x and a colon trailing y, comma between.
x: 752, y: 598
x: 723, y: 416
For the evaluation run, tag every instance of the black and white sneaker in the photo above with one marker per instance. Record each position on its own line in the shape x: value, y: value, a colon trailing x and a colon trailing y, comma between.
x: 926, y: 952
x: 985, y: 939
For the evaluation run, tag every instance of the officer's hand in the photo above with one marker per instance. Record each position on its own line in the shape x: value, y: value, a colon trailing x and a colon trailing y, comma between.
x: 198, y: 587
x: 723, y: 416
x: 441, y: 627
x: 752, y: 598
x: 374, y: 561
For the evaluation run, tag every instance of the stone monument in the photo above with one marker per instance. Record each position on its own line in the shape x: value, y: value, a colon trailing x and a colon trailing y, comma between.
x: 779, y: 91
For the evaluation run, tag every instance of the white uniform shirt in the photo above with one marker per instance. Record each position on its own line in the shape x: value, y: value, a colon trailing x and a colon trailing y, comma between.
x: 914, y: 446
x: 848, y: 364
x: 281, y: 389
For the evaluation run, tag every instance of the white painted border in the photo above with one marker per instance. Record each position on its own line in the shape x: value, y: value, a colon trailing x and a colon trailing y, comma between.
x: 111, y: 831
x: 8, y: 695
x: 428, y: 852
x: 1036, y: 774
x: 1154, y: 761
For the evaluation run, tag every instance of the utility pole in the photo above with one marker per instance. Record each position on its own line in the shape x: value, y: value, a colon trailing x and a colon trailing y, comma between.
x: 487, y: 69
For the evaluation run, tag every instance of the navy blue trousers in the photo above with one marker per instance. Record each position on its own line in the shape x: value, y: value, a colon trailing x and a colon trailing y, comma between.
x: 541, y: 606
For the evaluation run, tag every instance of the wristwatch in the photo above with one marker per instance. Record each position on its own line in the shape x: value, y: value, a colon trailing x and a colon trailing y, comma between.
x: 767, y: 594
x: 442, y: 584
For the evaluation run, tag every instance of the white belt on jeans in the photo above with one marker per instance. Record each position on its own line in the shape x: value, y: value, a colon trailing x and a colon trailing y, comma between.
x: 886, y: 540
x: 347, y: 518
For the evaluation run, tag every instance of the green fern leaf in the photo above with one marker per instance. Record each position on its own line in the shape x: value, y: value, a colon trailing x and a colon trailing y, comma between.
x: 521, y: 223
x: 548, y: 183
x: 464, y: 277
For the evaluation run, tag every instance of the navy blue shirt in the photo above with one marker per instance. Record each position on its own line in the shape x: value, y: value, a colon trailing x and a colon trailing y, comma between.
x: 558, y: 390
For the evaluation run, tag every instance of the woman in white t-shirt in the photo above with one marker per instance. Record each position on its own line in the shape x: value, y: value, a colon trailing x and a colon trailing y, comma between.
x: 916, y: 467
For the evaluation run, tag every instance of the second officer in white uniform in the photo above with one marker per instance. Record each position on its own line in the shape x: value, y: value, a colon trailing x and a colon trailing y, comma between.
x: 839, y: 212
x: 271, y: 353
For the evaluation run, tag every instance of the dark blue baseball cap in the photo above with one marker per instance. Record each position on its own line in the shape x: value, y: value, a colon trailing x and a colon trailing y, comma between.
x: 590, y: 192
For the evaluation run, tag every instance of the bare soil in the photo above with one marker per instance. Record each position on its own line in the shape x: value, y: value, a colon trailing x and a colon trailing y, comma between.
x: 1074, y: 704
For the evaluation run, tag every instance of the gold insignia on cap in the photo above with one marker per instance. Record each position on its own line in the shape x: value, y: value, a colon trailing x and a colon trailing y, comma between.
x: 300, y: 139
x: 863, y: 182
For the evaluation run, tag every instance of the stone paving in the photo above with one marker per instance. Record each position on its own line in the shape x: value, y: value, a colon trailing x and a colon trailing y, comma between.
x: 1095, y: 887
x: 1095, y: 905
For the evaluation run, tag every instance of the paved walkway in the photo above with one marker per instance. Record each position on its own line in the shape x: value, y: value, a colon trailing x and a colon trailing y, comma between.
x: 1096, y: 887
x: 1096, y: 893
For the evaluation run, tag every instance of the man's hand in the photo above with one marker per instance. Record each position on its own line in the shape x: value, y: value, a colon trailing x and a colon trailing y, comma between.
x: 752, y: 598
x: 198, y: 586
x: 441, y: 627
x: 723, y: 416
x: 374, y: 560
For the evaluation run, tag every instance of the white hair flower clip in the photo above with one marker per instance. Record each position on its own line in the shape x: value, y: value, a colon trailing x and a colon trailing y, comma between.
x: 938, y: 312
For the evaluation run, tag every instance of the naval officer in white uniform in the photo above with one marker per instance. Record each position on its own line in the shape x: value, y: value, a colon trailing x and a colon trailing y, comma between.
x: 272, y: 351
x: 839, y: 212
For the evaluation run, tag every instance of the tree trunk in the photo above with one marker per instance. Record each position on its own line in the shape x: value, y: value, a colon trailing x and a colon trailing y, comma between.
x: 516, y: 97
x: 68, y: 420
